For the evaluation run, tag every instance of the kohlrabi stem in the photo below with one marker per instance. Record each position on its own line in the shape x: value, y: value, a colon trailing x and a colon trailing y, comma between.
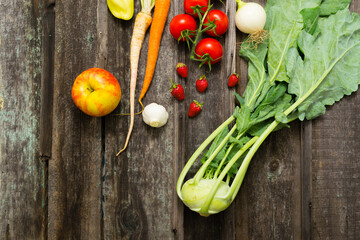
x: 198, y: 152
x: 226, y: 154
x: 235, y: 186
x: 205, y: 207
x: 202, y: 169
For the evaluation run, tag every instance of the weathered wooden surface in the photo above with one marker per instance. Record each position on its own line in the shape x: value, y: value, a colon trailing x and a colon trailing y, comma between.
x: 60, y: 178
x: 22, y: 172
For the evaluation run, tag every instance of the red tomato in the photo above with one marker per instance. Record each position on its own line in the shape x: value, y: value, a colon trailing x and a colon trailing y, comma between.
x: 181, y: 23
x: 189, y: 4
x: 220, y: 20
x: 209, y: 48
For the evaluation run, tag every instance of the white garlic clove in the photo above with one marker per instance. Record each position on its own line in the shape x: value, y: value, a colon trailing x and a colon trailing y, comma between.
x: 155, y: 115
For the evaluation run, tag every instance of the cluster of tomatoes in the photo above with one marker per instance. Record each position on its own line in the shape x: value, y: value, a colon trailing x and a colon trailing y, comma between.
x: 199, y: 18
x: 183, y: 27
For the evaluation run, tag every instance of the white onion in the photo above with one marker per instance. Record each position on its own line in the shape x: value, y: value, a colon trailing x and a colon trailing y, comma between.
x: 250, y: 18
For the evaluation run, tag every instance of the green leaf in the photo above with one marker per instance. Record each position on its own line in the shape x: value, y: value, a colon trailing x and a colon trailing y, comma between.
x: 281, y: 117
x: 285, y: 23
x: 328, y: 7
x: 310, y: 17
x: 256, y: 72
x: 243, y: 118
x: 331, y: 65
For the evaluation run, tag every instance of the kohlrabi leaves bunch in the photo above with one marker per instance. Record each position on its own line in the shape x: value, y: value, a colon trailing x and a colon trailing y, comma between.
x: 309, y: 61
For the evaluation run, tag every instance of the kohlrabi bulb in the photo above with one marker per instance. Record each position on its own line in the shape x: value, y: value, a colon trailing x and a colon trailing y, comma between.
x: 194, y: 195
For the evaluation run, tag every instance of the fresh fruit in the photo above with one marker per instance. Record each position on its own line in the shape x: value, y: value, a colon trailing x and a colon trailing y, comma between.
x: 182, y: 70
x: 233, y: 80
x: 201, y: 83
x: 182, y: 27
x: 209, y: 50
x: 218, y: 21
x: 195, y: 108
x: 190, y: 5
x: 177, y: 91
x: 96, y: 92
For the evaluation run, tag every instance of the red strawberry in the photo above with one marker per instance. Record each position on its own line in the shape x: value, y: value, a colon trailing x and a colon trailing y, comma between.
x: 233, y: 80
x: 177, y: 91
x: 201, y: 83
x: 182, y: 70
x: 195, y: 108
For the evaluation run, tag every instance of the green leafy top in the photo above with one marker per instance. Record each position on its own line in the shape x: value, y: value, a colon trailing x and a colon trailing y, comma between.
x: 331, y: 65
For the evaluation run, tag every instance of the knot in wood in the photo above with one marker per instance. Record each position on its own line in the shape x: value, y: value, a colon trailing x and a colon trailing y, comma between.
x: 130, y: 220
x: 274, y: 165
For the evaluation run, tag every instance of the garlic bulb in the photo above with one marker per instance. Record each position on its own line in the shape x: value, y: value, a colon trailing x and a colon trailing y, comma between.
x: 155, y: 115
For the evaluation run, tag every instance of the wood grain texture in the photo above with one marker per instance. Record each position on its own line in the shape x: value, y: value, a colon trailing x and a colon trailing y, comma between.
x: 336, y: 166
x: 22, y: 206
x: 303, y: 183
x: 335, y: 204
x: 75, y: 164
x: 139, y: 183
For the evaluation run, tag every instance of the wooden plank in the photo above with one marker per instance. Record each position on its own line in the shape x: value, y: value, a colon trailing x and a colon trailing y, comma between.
x: 77, y: 148
x: 121, y: 218
x: 22, y: 183
x: 218, y: 106
x: 306, y: 179
x: 336, y: 166
x: 138, y: 184
x: 335, y: 203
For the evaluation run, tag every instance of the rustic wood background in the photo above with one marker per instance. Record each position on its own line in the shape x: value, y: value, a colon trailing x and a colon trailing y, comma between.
x: 304, y: 182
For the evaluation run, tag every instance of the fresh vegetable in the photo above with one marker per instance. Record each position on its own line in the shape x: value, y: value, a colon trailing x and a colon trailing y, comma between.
x: 123, y: 9
x: 200, y: 9
x: 160, y: 15
x: 195, y: 195
x: 155, y: 115
x: 142, y: 23
x: 218, y: 22
x: 182, y: 70
x: 233, y: 80
x: 310, y: 61
x: 177, y: 91
x: 195, y: 108
x: 96, y: 92
x: 250, y: 17
x: 201, y: 84
x: 195, y: 7
x: 209, y: 51
x: 183, y: 27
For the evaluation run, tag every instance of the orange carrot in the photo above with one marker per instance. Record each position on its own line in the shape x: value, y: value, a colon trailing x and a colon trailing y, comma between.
x: 159, y: 19
x: 142, y: 23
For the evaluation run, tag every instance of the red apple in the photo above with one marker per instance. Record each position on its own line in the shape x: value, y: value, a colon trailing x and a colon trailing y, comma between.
x: 96, y: 92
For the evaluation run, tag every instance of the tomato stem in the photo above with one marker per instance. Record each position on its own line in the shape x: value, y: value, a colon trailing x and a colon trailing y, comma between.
x: 199, y: 31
